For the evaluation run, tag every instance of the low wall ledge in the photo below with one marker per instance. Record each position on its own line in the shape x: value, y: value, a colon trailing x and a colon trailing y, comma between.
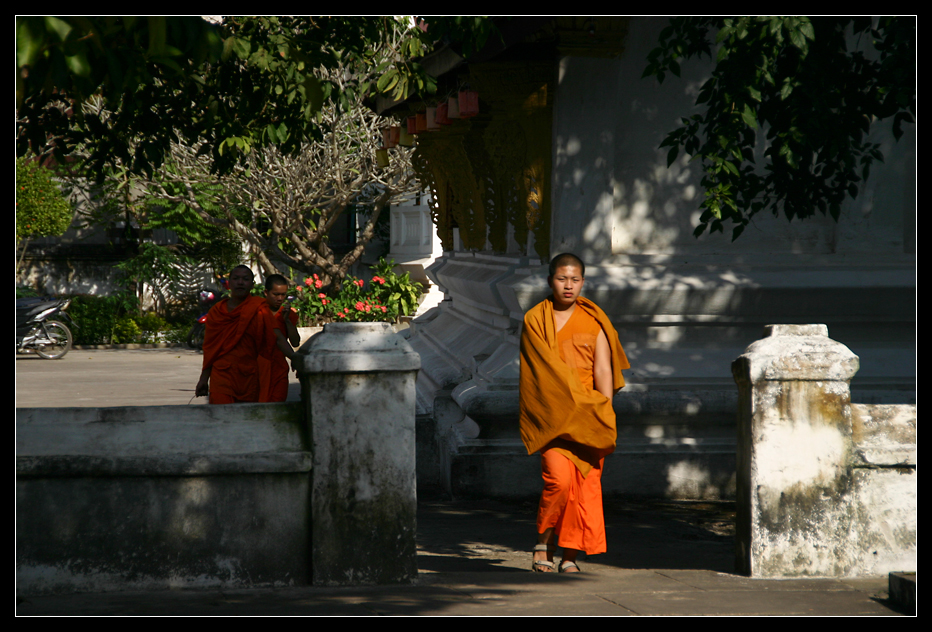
x: 75, y: 465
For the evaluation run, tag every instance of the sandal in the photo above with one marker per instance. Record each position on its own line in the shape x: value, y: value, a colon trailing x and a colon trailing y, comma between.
x: 566, y: 565
x: 543, y: 566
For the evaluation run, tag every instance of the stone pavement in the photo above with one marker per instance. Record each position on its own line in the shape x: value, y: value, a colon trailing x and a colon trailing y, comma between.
x: 114, y: 377
x: 664, y: 558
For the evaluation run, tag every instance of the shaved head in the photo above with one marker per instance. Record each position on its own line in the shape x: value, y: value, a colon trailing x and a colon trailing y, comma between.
x: 567, y: 259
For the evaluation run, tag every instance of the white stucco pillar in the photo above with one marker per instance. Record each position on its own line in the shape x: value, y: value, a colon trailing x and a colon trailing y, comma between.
x: 358, y: 382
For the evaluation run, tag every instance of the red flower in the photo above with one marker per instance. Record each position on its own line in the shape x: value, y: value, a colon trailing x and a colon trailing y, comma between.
x: 384, y: 309
x: 358, y: 282
x: 318, y: 284
x: 308, y: 282
x: 378, y: 279
x: 360, y: 306
x: 321, y: 295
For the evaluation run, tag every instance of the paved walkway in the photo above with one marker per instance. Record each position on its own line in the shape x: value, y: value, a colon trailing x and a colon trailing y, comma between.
x: 114, y: 377
x: 664, y: 558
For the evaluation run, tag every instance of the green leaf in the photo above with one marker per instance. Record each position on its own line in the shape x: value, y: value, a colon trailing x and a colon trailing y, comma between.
x: 748, y: 115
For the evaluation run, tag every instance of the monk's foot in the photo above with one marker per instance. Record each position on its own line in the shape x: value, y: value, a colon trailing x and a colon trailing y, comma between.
x: 567, y: 566
x: 543, y: 559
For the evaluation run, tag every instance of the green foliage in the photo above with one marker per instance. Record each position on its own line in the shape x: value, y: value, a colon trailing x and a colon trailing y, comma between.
x: 157, y: 266
x: 795, y: 80
x: 115, y: 319
x: 96, y: 316
x: 248, y: 83
x: 41, y: 209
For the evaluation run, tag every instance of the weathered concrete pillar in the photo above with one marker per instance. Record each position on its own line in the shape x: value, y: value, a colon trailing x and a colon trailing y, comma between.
x: 358, y: 381
x: 794, y: 446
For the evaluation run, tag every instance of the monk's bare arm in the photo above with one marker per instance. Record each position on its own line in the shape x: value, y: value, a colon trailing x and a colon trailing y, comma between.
x: 602, y: 369
x: 293, y: 336
x: 283, y: 345
x: 203, y: 387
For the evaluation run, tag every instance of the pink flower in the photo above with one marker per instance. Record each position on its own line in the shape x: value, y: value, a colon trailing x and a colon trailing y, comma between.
x: 346, y: 309
x: 368, y: 309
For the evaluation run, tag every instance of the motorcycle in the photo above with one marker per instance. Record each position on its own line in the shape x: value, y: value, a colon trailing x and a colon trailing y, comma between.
x: 207, y: 298
x: 39, y: 327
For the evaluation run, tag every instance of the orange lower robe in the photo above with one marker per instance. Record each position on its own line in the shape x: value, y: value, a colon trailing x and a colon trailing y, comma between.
x: 273, y: 370
x: 570, y: 423
x: 233, y: 342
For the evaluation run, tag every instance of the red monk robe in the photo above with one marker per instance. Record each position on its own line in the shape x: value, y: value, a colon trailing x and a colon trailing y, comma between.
x: 233, y: 342
x: 273, y: 371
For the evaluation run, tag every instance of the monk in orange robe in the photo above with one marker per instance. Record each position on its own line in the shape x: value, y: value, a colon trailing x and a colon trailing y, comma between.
x: 237, y: 332
x: 273, y: 370
x: 571, y: 363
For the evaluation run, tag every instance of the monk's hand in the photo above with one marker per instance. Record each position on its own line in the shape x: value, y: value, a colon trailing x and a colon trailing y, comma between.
x: 202, y: 389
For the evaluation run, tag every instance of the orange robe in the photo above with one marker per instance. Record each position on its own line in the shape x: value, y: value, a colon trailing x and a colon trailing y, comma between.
x: 273, y: 371
x: 570, y: 423
x: 233, y: 342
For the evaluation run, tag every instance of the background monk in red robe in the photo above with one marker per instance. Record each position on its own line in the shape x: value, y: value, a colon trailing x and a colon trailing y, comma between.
x: 273, y: 371
x: 571, y: 362
x: 237, y: 332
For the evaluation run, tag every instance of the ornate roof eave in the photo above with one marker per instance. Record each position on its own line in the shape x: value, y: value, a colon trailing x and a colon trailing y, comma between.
x: 513, y: 31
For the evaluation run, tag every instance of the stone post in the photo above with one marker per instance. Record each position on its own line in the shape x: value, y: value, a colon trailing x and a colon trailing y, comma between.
x: 795, y: 515
x: 358, y: 382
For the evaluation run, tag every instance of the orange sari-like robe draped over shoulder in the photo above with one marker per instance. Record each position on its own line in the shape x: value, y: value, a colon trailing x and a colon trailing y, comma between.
x: 233, y: 342
x: 556, y: 408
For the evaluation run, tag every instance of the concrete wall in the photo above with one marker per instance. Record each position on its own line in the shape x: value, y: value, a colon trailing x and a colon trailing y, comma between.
x: 825, y: 488
x: 151, y: 497
x: 321, y: 491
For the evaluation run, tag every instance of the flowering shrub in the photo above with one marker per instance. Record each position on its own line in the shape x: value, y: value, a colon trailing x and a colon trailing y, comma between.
x: 388, y: 297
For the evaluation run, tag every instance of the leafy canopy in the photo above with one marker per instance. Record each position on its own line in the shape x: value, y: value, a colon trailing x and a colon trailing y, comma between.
x: 813, y: 86
x: 245, y: 83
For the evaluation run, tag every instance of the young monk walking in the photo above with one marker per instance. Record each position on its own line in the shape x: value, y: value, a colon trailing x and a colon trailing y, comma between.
x: 273, y: 370
x: 571, y: 363
x: 236, y: 333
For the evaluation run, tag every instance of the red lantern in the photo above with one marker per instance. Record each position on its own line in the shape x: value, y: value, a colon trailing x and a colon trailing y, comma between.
x: 469, y: 103
x: 387, y: 138
x: 442, y: 117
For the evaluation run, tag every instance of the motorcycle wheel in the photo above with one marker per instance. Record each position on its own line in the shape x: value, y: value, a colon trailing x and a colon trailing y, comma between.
x: 57, y: 341
x: 196, y: 336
